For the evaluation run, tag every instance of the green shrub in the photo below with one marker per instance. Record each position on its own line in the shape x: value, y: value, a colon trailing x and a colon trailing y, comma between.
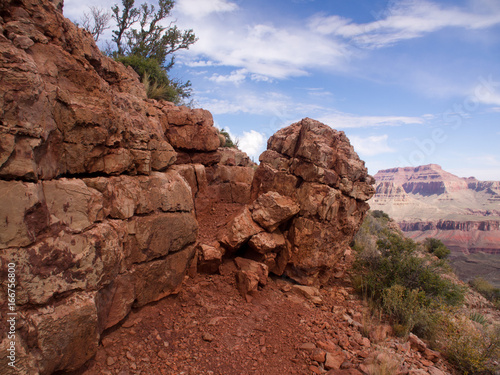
x: 229, y: 141
x: 156, y: 81
x: 378, y: 214
x: 486, y: 289
x: 472, y: 349
x: 395, y: 276
x: 436, y: 247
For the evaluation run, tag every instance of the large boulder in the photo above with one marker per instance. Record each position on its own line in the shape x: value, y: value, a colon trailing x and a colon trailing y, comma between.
x: 311, y: 170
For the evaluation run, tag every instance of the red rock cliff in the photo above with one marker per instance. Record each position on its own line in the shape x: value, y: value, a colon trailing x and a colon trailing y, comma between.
x: 102, y: 191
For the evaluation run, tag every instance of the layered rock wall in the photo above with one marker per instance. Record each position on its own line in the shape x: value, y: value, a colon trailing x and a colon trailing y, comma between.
x: 94, y: 216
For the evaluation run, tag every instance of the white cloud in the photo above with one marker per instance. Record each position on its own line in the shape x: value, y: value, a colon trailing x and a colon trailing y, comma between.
x: 253, y: 143
x: 269, y: 103
x: 407, y: 19
x: 266, y: 51
x: 339, y: 120
x: 236, y: 77
x: 370, y: 146
x: 202, y: 8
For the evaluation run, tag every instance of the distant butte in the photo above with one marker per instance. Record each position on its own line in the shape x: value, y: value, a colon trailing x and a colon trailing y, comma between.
x: 426, y: 201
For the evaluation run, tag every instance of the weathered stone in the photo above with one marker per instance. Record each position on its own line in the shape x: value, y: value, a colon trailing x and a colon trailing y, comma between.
x: 66, y: 335
x: 160, y: 278
x: 21, y: 163
x: 195, y: 176
x: 416, y: 343
x: 162, y: 155
x: 24, y: 361
x: 192, y: 130
x: 65, y: 263
x: 318, y: 201
x: 266, y: 242
x: 239, y: 230
x: 318, y: 355
x: 114, y: 301
x: 272, y: 209
x: 157, y: 235
x: 253, y: 267
x: 334, y: 360
x: 23, y: 213
x: 209, y: 258
x: 234, y: 157
x: 435, y: 371
x: 125, y: 196
x: 317, y: 168
x: 311, y: 293
x: 72, y: 203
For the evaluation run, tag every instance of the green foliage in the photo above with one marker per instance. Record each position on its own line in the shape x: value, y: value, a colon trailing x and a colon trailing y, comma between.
x: 393, y: 274
x: 149, y: 49
x: 477, y: 317
x: 229, y: 142
x: 436, y: 247
x: 397, y: 276
x: 155, y: 79
x: 378, y: 214
x: 486, y: 289
x: 472, y: 349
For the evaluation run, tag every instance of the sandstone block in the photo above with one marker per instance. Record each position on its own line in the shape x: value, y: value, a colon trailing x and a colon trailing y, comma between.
x: 159, y: 234
x: 272, y: 209
x: 159, y: 278
x: 23, y: 213
x: 334, y: 360
x: 66, y: 335
x: 266, y: 242
x: 209, y: 258
x: 68, y: 262
x: 239, y: 230
x: 253, y: 267
x: 114, y: 301
x: 72, y: 203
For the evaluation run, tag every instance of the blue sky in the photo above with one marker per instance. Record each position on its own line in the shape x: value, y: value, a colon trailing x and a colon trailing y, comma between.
x: 410, y: 82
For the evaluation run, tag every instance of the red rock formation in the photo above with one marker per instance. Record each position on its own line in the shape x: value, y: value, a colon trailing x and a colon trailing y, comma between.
x: 310, y: 188
x: 92, y: 211
x: 102, y: 192
x: 428, y: 202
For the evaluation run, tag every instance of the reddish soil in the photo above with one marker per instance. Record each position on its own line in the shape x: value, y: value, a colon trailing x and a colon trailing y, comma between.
x: 208, y: 328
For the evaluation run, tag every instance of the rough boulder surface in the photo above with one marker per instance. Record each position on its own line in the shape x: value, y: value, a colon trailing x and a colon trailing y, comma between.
x: 310, y: 188
x: 108, y: 199
x: 93, y: 213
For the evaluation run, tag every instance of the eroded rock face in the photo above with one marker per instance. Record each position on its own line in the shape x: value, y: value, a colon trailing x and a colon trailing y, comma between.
x: 92, y: 211
x: 309, y: 197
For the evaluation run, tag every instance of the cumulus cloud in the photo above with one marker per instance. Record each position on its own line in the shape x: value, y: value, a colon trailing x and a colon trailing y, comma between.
x: 266, y: 51
x: 407, y: 20
x: 236, y: 77
x: 253, y: 143
x: 202, y: 8
x: 370, y: 146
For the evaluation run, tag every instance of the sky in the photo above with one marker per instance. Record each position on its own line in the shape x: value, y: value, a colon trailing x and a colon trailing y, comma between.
x: 410, y: 82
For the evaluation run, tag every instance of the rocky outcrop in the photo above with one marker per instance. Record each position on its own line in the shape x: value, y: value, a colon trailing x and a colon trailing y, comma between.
x: 94, y: 214
x: 103, y: 193
x: 309, y: 195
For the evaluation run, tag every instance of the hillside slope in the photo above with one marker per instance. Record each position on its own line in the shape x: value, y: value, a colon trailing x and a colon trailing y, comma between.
x: 464, y: 213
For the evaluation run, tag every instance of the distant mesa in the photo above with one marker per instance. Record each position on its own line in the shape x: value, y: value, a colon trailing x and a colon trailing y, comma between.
x: 426, y: 201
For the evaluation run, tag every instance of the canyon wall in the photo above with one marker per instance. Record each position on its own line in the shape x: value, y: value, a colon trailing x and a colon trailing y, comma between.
x: 427, y: 201
x: 108, y: 199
